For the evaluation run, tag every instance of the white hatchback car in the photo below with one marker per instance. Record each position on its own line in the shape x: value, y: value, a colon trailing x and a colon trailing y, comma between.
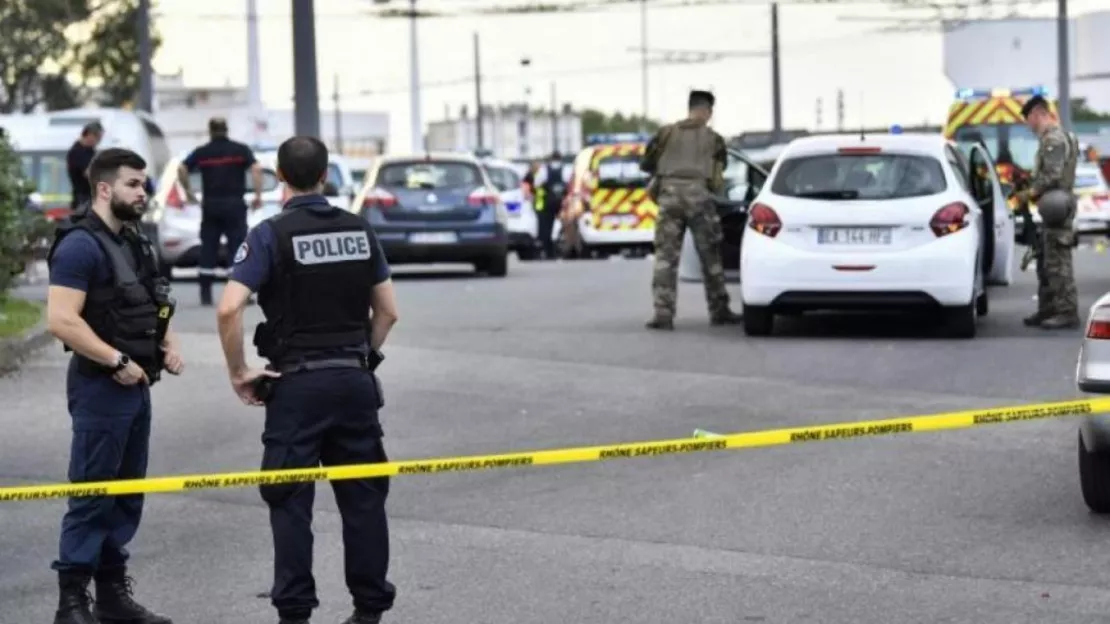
x: 1092, y: 374
x: 523, y: 224
x: 881, y: 221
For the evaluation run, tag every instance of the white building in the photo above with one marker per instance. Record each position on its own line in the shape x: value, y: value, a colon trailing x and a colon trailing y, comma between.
x: 1020, y: 52
x: 183, y: 113
x: 509, y: 132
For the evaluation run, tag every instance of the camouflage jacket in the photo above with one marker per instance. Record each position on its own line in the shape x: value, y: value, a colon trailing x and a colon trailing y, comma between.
x: 649, y: 162
x: 1055, y: 162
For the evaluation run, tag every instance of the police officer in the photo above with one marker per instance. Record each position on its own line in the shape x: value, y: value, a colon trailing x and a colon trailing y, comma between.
x: 78, y: 157
x: 319, y: 272
x: 1051, y: 189
x: 551, y: 181
x: 687, y: 160
x: 106, y: 304
x: 223, y: 164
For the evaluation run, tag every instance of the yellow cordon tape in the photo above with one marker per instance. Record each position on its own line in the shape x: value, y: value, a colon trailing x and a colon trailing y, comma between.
x: 703, y: 441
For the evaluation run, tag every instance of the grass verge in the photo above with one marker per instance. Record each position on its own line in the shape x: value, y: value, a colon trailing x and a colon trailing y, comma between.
x: 17, y: 316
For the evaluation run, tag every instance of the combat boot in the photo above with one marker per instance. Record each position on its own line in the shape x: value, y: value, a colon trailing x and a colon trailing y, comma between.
x: 1060, y: 321
x: 74, y: 599
x: 1034, y: 320
x: 728, y: 317
x: 362, y: 617
x: 660, y: 323
x: 115, y: 602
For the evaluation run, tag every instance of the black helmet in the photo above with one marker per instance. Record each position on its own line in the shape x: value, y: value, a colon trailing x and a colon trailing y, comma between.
x: 1054, y: 207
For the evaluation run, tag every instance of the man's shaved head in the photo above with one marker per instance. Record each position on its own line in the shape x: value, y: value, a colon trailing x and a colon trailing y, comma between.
x: 303, y: 163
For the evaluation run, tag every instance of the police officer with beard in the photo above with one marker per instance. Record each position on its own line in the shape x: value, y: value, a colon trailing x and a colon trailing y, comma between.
x: 223, y: 165
x: 324, y: 287
x: 107, y: 305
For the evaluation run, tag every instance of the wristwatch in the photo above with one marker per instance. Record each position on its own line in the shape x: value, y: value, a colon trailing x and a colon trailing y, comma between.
x: 121, y: 362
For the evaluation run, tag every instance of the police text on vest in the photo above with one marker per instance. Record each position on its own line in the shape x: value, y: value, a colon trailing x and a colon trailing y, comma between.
x: 331, y: 247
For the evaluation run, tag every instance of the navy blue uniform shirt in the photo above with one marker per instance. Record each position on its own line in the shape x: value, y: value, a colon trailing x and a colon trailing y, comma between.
x: 223, y: 166
x: 81, y: 264
x: 255, y: 259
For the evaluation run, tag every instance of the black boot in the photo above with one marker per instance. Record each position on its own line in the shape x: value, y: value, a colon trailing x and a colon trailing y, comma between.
x: 74, y: 599
x: 205, y: 290
x: 362, y: 617
x: 114, y: 602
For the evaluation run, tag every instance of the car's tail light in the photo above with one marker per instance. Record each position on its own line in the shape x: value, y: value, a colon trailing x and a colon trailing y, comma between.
x: 1101, y: 198
x: 482, y: 197
x: 763, y: 219
x: 860, y: 150
x: 379, y: 198
x: 949, y: 219
x: 174, y: 199
x: 1098, y: 326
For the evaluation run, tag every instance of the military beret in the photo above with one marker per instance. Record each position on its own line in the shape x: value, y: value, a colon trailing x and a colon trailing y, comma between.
x: 702, y: 98
x: 1033, y: 102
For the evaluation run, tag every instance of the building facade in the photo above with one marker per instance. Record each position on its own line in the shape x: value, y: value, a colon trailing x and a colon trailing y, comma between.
x: 509, y: 132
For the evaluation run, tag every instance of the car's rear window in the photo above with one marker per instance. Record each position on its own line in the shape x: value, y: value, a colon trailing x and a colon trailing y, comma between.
x: 429, y: 175
x: 504, y: 179
x: 1088, y: 180
x: 620, y: 171
x: 859, y: 176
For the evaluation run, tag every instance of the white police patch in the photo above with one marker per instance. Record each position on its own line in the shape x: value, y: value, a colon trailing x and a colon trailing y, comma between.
x: 331, y: 247
x: 241, y: 253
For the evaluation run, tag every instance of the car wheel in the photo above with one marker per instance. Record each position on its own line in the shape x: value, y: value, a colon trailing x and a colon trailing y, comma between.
x: 495, y: 266
x: 758, y: 320
x: 962, y: 321
x: 1094, y: 478
x: 982, y: 304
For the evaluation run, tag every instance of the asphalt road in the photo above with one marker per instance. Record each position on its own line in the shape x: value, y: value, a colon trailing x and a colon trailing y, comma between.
x: 983, y: 526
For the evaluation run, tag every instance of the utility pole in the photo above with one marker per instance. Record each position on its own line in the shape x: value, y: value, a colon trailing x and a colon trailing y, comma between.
x: 146, y: 73
x: 338, y: 117
x: 414, y: 79
x: 840, y: 110
x: 643, y: 65
x: 254, y: 76
x: 554, y: 120
x: 1063, y: 70
x: 776, y: 83
x: 478, y: 117
x: 306, y: 92
x: 819, y: 111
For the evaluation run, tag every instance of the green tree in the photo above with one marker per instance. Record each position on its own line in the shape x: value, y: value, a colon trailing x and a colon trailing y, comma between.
x: 18, y: 226
x: 109, y: 59
x: 598, y: 122
x: 1081, y: 112
x: 34, y: 33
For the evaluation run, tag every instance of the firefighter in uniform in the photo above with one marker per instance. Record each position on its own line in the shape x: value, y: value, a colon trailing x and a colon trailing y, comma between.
x: 319, y: 273
x: 1051, y: 190
x: 551, y: 182
x: 222, y: 164
x: 108, y: 306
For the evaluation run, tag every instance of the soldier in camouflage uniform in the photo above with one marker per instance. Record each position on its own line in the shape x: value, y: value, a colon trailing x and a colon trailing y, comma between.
x: 1054, y: 168
x: 687, y: 160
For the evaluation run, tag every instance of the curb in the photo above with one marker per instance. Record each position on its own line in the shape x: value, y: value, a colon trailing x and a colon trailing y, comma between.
x: 14, y: 350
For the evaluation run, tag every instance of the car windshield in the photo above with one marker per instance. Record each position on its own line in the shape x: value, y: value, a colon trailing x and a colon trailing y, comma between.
x: 1089, y: 180
x: 503, y: 178
x: 859, y: 176
x: 620, y: 171
x: 429, y: 175
x: 1007, y: 143
x: 47, y: 171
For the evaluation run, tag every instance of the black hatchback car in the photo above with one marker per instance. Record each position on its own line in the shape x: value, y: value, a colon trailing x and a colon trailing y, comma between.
x: 431, y: 208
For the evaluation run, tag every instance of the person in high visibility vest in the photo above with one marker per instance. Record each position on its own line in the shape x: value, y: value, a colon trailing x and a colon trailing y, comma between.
x: 551, y: 183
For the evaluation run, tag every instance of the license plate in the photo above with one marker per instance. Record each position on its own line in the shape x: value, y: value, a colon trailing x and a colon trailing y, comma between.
x: 626, y: 219
x: 434, y: 238
x: 854, y: 236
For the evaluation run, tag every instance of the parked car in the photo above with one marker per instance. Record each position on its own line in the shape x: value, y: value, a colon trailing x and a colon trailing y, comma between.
x: 1092, y: 374
x: 437, y: 207
x: 523, y: 224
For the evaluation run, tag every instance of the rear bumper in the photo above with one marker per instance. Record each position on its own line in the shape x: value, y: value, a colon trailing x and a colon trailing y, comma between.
x: 600, y: 238
x: 471, y: 245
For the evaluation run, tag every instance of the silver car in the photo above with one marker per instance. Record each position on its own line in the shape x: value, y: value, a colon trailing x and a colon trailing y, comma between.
x: 1092, y: 374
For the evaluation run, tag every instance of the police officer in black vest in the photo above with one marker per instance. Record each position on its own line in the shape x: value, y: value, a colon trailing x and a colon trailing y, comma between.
x: 551, y: 181
x: 325, y: 290
x: 108, y: 306
x: 223, y: 166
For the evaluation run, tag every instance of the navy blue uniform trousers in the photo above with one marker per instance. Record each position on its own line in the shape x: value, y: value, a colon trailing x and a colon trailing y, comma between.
x: 326, y: 417
x: 219, y: 218
x: 111, y: 440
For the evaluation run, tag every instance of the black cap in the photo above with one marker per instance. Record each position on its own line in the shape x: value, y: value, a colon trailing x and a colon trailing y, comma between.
x: 1033, y: 102
x: 702, y: 98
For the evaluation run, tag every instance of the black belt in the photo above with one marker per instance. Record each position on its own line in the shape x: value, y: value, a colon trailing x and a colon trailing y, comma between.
x: 320, y: 364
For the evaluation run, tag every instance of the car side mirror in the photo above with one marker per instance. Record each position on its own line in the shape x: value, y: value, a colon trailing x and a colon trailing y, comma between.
x: 330, y: 189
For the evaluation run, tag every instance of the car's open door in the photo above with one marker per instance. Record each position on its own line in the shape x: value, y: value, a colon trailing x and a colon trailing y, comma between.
x: 998, y: 221
x: 743, y: 180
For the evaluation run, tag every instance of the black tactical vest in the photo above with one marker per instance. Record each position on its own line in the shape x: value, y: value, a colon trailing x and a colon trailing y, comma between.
x: 318, y: 297
x: 554, y: 186
x: 125, y: 313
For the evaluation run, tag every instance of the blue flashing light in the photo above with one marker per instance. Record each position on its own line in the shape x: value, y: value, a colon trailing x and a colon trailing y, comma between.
x: 896, y: 129
x: 971, y: 94
x: 612, y: 138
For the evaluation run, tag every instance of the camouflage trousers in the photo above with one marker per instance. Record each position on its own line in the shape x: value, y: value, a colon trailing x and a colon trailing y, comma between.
x: 1057, y: 294
x: 685, y: 205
